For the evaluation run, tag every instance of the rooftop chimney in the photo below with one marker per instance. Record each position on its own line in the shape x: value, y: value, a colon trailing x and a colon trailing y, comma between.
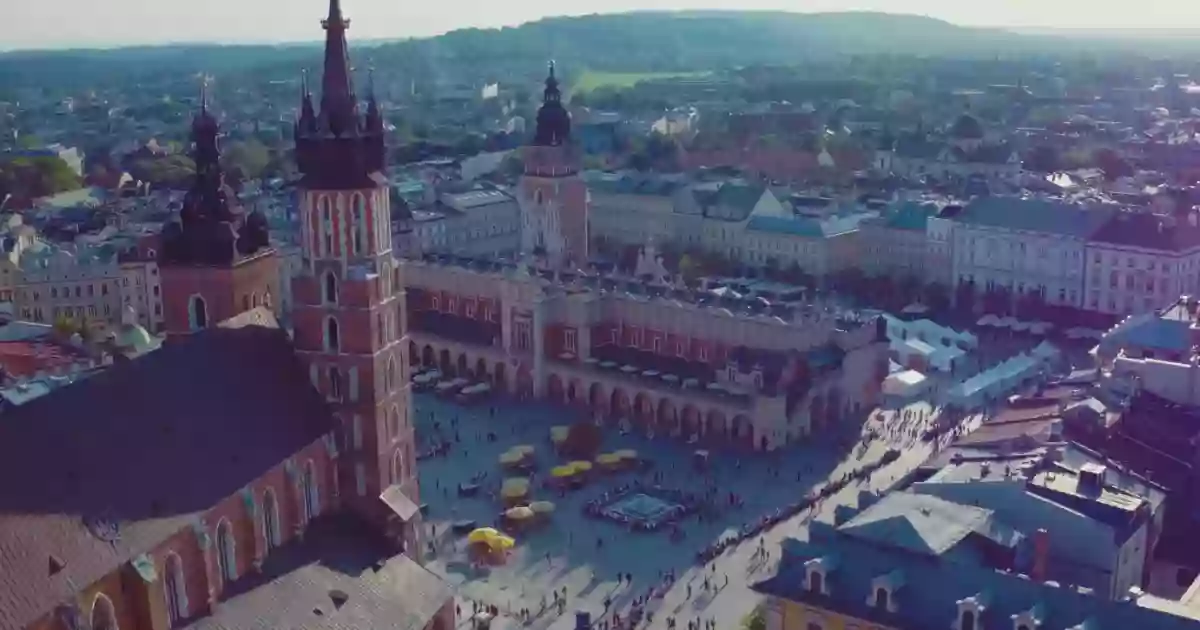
x: 1041, y: 554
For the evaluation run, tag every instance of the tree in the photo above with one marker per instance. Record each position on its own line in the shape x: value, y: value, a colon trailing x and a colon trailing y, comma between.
x: 33, y: 177
x: 688, y: 268
x: 937, y: 297
x: 583, y: 441
x: 170, y: 171
x: 771, y: 268
x: 628, y: 258
x: 1113, y: 165
x: 756, y: 620
x: 250, y: 156
x: 1044, y: 159
x: 909, y: 288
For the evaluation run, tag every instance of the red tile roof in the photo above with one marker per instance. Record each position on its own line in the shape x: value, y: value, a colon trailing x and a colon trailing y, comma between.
x: 107, y: 468
x: 26, y: 358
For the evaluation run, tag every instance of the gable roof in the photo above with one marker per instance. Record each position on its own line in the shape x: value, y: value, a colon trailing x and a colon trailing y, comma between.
x: 932, y: 587
x: 924, y: 524
x: 107, y: 468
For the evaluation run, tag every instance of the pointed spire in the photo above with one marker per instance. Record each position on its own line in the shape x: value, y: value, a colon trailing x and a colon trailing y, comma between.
x: 374, y: 118
x: 551, y: 94
x: 338, y: 106
x: 203, y: 95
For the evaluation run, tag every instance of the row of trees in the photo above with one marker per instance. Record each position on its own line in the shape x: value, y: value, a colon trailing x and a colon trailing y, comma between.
x: 32, y: 177
x: 243, y: 160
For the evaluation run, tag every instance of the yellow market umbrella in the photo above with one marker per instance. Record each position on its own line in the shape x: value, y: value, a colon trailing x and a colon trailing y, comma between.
x: 542, y: 507
x: 626, y: 454
x: 482, y: 535
x: 501, y: 542
x: 581, y: 466
x: 608, y: 459
x: 525, y: 449
x: 515, y: 487
x: 510, y: 458
x: 519, y: 513
x: 562, y: 471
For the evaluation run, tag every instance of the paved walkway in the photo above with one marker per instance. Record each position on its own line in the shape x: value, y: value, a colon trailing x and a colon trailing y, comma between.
x: 564, y: 554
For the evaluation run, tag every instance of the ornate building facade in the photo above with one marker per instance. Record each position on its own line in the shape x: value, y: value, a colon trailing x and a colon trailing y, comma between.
x: 657, y: 359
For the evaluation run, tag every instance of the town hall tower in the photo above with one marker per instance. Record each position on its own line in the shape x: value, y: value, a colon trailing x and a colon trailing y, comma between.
x: 552, y: 196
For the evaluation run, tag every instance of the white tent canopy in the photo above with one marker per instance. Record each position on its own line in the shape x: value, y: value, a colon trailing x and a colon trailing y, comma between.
x: 905, y: 384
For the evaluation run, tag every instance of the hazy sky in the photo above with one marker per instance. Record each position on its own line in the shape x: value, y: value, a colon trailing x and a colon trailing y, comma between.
x: 68, y: 23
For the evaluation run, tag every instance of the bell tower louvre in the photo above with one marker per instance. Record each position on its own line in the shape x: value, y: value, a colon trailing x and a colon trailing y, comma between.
x: 216, y: 260
x: 553, y: 197
x: 348, y: 315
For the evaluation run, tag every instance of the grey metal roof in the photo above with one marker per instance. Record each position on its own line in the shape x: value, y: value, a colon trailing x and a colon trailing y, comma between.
x: 340, y: 577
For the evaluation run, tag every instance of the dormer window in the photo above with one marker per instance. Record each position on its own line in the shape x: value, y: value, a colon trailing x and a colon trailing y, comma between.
x: 1030, y: 619
x: 817, y: 572
x: 884, y: 590
x: 969, y: 611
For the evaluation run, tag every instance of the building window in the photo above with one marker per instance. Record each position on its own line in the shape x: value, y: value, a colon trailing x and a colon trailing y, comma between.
x: 881, y: 598
x: 333, y: 338
x: 814, y: 582
x: 569, y: 340
x: 226, y: 551
x: 197, y: 312
x: 245, y: 303
x: 331, y: 289
x: 104, y: 616
x: 967, y: 621
x: 395, y: 421
x: 391, y: 383
x: 356, y: 431
x: 358, y: 226
x: 326, y: 227
x: 360, y: 479
x: 335, y: 383
x: 398, y: 466
x: 271, y: 529
x: 312, y: 501
x: 174, y: 588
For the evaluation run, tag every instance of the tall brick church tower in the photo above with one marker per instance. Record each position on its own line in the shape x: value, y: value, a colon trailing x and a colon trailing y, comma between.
x: 216, y: 260
x: 349, y: 309
x: 553, y: 198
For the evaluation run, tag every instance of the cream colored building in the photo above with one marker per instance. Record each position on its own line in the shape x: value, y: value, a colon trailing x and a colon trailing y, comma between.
x: 141, y: 291
x: 17, y: 239
x: 741, y: 222
x: 60, y: 284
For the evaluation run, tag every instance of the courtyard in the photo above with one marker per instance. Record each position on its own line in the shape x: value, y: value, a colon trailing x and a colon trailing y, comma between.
x: 601, y: 561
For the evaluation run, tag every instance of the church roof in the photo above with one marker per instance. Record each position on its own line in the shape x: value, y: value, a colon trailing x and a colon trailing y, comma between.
x: 967, y: 127
x: 109, y: 467
x: 553, y: 120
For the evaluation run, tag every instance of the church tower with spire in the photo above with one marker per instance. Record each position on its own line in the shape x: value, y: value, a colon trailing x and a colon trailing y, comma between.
x: 216, y: 259
x: 349, y: 315
x: 552, y: 196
